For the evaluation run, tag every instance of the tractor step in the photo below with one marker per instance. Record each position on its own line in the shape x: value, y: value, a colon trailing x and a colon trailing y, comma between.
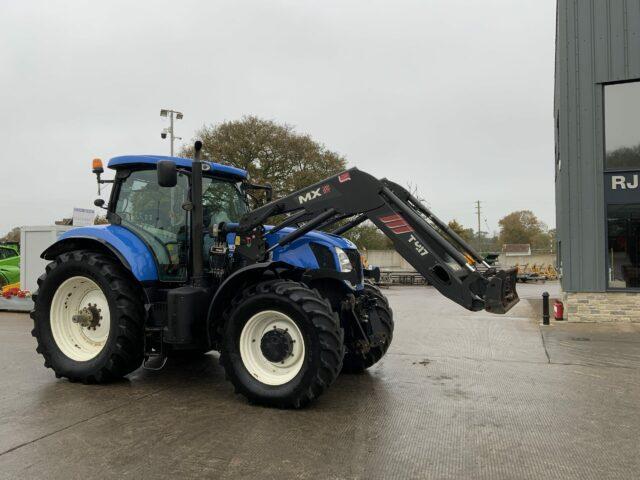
x: 154, y: 356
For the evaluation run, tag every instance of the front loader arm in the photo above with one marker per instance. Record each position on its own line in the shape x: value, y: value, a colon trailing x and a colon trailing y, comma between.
x: 427, y: 243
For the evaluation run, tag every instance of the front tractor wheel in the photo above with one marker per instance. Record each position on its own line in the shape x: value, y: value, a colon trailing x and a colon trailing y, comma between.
x: 283, y: 345
x: 88, y: 319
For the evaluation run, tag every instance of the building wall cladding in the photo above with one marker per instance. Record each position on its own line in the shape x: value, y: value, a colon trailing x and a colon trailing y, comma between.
x: 597, y: 41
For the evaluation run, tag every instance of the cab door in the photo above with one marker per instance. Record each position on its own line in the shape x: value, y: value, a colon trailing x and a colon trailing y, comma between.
x: 156, y: 215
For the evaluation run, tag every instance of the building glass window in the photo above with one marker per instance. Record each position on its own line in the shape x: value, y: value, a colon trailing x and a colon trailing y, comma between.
x: 623, y: 245
x: 622, y: 126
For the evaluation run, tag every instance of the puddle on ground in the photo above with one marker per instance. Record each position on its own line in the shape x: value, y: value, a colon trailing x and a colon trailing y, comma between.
x: 424, y: 362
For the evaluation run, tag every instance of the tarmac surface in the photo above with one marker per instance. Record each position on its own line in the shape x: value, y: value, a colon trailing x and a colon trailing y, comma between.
x: 459, y: 395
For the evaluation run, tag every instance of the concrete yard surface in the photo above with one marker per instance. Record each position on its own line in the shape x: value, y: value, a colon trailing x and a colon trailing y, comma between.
x: 460, y: 395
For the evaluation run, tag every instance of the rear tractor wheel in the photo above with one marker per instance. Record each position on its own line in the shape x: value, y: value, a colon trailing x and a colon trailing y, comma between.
x: 88, y: 319
x: 283, y: 344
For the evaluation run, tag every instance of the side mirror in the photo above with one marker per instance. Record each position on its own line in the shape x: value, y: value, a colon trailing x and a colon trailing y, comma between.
x: 99, y: 202
x: 167, y: 173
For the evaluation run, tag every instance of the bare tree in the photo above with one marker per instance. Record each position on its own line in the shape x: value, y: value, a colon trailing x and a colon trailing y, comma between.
x: 413, y: 190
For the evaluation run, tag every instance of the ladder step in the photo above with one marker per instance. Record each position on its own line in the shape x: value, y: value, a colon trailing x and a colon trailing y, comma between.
x: 154, y: 355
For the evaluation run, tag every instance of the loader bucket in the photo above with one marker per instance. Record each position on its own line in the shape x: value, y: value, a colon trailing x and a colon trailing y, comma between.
x: 501, y: 294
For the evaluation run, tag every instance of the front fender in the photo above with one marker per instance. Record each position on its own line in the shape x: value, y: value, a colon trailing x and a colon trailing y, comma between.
x: 134, y: 254
x: 233, y: 284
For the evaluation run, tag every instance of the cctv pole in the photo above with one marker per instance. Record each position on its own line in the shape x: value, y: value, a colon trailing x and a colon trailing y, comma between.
x: 171, y: 131
x: 173, y: 115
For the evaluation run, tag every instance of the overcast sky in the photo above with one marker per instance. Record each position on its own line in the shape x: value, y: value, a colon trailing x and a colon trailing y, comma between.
x: 453, y: 96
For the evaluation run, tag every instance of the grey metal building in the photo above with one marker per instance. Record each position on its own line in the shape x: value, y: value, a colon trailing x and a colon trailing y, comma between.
x: 597, y: 136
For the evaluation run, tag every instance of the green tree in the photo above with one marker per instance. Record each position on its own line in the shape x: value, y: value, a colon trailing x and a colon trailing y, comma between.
x: 368, y: 236
x: 272, y: 153
x: 524, y: 227
x: 623, y: 157
x: 465, y: 233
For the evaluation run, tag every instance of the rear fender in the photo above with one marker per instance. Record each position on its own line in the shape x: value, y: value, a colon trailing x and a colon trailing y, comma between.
x: 115, y: 240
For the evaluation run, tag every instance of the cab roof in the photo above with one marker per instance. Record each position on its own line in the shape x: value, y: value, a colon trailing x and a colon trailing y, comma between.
x: 216, y: 168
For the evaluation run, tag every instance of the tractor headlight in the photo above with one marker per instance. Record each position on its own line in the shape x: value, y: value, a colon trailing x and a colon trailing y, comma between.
x: 343, y: 260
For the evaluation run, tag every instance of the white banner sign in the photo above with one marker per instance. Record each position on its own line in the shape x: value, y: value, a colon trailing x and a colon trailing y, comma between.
x: 83, y: 217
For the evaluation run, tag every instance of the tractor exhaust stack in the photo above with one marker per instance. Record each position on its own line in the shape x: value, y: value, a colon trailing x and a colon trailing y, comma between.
x: 197, y: 266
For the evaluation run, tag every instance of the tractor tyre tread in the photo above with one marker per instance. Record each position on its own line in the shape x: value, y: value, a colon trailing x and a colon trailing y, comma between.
x: 355, y: 362
x: 314, y: 379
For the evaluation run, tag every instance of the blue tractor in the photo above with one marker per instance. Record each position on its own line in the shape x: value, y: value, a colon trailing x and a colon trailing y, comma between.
x: 185, y: 266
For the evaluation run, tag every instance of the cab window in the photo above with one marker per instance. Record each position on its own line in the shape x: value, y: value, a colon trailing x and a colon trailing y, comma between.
x: 155, y: 214
x: 222, y: 201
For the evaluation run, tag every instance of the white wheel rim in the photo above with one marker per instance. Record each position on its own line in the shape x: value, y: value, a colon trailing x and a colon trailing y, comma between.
x: 78, y: 342
x: 261, y: 368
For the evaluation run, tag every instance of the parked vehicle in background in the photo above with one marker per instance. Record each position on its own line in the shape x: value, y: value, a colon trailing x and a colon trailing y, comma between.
x: 9, y: 263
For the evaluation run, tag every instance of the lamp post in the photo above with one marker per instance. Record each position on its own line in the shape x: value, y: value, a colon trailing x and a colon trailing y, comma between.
x: 166, y: 112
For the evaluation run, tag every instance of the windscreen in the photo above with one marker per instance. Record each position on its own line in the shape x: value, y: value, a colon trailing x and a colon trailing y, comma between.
x: 222, y: 201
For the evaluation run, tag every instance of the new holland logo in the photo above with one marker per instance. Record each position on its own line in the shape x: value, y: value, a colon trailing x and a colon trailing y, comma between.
x: 313, y: 194
x: 396, y: 223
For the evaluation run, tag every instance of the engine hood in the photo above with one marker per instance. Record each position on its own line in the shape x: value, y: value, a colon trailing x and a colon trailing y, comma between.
x: 299, y: 252
x: 316, y: 236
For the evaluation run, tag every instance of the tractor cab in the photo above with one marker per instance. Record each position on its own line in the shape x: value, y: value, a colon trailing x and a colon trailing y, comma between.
x: 154, y: 199
x: 160, y: 214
